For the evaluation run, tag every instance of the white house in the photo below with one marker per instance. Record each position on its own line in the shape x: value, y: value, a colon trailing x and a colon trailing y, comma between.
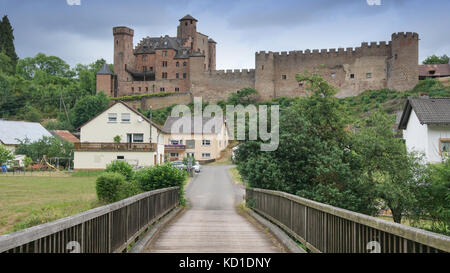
x: 426, y: 127
x: 141, y: 141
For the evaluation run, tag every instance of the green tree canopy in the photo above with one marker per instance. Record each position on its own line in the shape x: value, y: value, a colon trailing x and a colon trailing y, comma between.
x: 88, y: 107
x: 433, y: 59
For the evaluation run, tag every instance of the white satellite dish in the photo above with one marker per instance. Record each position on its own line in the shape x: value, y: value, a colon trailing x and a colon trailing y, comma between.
x: 140, y: 119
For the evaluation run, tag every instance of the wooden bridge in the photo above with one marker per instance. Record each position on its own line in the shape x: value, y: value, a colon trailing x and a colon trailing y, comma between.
x: 211, y: 223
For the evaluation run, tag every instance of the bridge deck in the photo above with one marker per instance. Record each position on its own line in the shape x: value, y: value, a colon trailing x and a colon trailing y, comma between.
x: 212, y: 223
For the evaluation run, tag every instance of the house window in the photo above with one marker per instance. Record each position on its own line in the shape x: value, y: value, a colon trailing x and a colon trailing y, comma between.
x: 174, y: 155
x: 206, y: 155
x: 184, y: 63
x: 125, y: 117
x: 283, y: 77
x: 206, y: 142
x: 138, y: 138
x: 352, y: 76
x: 164, y: 63
x: 368, y: 75
x: 176, y: 142
x: 444, y: 146
x: 112, y: 117
x: 164, y: 75
x: 184, y: 75
x: 161, y: 89
x: 120, y: 157
x: 177, y: 89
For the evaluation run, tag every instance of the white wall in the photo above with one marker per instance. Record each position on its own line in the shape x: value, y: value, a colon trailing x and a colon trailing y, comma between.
x: 436, y: 132
x: 100, y: 130
x: 416, y: 135
x: 99, y: 159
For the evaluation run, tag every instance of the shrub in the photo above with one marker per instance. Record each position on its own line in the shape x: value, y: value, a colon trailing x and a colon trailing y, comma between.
x: 121, y: 167
x: 109, y: 186
x: 161, y: 176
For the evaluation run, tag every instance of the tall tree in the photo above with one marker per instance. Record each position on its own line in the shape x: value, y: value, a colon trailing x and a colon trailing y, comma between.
x: 7, y: 40
x: 433, y: 59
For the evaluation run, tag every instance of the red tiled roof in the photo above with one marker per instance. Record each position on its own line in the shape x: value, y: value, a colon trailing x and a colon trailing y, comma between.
x: 66, y: 135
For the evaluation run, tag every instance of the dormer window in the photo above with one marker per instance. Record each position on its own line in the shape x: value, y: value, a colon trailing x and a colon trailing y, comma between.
x: 431, y: 72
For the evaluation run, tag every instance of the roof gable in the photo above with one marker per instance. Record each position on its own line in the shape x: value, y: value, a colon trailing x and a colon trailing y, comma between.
x: 428, y: 111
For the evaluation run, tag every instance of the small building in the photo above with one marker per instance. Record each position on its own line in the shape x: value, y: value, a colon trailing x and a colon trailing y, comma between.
x: 64, y: 135
x: 203, y: 141
x: 119, y: 133
x: 13, y: 132
x: 426, y: 127
x: 434, y: 71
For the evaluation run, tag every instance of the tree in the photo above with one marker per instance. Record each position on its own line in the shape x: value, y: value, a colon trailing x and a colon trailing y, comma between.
x: 7, y: 41
x: 244, y: 96
x: 433, y: 59
x: 5, y: 155
x: 48, y: 146
x: 395, y: 173
x: 312, y: 159
x: 88, y: 107
x: 50, y: 65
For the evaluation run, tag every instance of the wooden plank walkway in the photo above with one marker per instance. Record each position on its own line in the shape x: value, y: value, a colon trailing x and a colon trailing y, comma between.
x: 212, y: 223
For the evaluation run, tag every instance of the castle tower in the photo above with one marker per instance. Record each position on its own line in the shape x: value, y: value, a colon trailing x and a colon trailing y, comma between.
x: 402, y: 65
x: 105, y: 80
x: 123, y: 53
x: 264, y: 75
x: 188, y: 28
x: 212, y: 54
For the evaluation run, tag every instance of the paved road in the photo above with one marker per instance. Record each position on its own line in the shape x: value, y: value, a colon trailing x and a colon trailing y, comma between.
x: 212, y: 224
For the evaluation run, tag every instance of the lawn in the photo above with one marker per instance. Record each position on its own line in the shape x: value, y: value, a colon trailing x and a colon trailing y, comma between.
x: 29, y: 201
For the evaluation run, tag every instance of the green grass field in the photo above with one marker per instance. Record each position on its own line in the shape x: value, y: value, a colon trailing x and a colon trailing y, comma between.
x: 29, y: 201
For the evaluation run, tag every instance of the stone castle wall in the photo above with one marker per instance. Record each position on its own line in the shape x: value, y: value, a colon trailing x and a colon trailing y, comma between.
x: 161, y: 102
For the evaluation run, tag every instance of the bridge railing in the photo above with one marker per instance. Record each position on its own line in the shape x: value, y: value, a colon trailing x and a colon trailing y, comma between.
x: 328, y: 229
x: 105, y: 229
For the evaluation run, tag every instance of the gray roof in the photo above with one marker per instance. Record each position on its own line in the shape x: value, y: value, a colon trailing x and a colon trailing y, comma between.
x: 211, y: 41
x: 428, y: 111
x: 150, y: 44
x: 211, y: 125
x: 188, y: 17
x: 13, y: 131
x: 105, y: 70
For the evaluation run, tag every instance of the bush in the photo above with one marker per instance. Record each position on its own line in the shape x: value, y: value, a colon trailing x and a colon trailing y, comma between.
x: 161, y: 176
x: 121, y: 167
x: 109, y: 186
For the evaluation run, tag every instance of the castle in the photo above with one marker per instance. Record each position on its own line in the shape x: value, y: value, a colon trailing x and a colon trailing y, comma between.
x: 186, y: 64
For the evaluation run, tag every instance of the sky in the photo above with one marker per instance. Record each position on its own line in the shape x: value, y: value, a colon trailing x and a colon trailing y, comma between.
x: 80, y: 31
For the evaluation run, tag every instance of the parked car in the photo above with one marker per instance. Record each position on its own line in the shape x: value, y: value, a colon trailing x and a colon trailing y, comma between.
x: 197, y: 167
x: 179, y: 165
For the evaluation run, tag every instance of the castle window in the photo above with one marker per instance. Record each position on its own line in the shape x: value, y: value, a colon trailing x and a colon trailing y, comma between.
x: 139, y: 89
x: 132, y: 89
x: 185, y: 24
x: 368, y: 75
x: 177, y: 75
x: 164, y: 75
x: 151, y: 68
x: 161, y: 89
x: 146, y: 88
x: 262, y: 67
x: 117, y: 42
x: 300, y: 84
x: 395, y: 56
x: 144, y: 58
x: 178, y: 64
x: 352, y: 76
x: 283, y: 77
x: 164, y: 53
x: 184, y: 63
x: 164, y: 63
x: 333, y: 75
x: 184, y: 75
x: 177, y: 89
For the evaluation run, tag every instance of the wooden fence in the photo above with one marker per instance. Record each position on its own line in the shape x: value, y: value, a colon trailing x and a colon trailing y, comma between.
x: 105, y: 229
x: 324, y: 228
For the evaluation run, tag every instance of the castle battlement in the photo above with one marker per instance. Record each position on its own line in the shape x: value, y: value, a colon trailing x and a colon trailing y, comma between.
x: 405, y: 35
x: 231, y: 72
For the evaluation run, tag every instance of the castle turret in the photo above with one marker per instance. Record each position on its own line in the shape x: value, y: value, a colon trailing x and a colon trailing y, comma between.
x: 212, y: 54
x: 105, y: 80
x: 188, y: 28
x: 264, y: 75
x: 123, y: 52
x: 402, y: 65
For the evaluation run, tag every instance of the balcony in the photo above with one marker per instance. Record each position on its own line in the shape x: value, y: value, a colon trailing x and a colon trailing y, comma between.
x: 111, y: 146
x: 174, y: 147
